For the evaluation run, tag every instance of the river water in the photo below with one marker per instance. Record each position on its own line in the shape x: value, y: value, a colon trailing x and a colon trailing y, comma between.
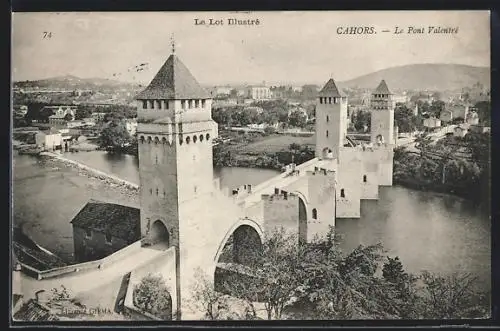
x: 428, y: 231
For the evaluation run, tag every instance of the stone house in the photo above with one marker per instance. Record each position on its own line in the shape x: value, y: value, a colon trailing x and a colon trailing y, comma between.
x: 102, y: 228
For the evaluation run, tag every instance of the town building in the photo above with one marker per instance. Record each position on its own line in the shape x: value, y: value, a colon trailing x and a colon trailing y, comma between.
x: 446, y: 116
x: 62, y: 114
x: 259, y: 93
x: 459, y: 111
x: 98, y: 117
x: 100, y: 229
x: 49, y: 140
x: 460, y: 130
x: 432, y: 123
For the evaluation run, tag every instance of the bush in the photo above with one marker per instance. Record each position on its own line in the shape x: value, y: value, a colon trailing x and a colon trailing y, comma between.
x: 152, y: 296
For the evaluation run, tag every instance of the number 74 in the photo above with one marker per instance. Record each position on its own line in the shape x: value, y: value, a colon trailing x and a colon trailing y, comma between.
x: 47, y: 35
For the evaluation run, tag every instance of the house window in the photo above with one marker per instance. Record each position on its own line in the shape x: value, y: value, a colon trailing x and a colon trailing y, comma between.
x: 315, y: 214
x: 88, y: 233
x: 327, y: 133
x: 108, y: 237
x: 364, y: 178
x: 342, y: 193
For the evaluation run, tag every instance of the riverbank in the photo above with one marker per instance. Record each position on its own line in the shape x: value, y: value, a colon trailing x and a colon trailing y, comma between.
x: 88, y: 171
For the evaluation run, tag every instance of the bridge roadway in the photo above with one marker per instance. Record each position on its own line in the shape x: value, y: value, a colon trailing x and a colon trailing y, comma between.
x: 87, y: 280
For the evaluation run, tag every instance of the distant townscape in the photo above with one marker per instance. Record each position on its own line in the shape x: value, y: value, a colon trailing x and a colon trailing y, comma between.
x: 174, y: 242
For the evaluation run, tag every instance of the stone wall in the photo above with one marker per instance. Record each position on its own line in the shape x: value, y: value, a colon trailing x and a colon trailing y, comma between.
x: 96, y: 247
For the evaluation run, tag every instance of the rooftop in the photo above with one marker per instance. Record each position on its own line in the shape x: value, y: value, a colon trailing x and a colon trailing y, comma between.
x: 33, y: 311
x: 382, y: 88
x: 173, y: 81
x: 118, y: 220
x: 331, y: 89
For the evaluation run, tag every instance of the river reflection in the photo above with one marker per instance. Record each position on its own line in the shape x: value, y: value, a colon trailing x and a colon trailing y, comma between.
x: 428, y: 231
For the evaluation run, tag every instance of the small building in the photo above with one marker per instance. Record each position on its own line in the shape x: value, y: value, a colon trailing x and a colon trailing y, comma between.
x: 102, y: 228
x: 432, y: 123
x: 472, y: 118
x: 49, y: 140
x: 61, y: 113
x: 460, y: 130
x: 259, y: 92
x: 478, y: 128
x: 446, y: 116
x: 458, y: 110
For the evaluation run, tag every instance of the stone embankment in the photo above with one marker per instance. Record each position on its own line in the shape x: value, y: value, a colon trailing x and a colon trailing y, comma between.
x: 85, y: 170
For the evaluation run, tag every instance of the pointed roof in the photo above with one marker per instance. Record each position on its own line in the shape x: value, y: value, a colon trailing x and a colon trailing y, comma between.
x: 331, y: 90
x: 382, y: 88
x: 173, y: 81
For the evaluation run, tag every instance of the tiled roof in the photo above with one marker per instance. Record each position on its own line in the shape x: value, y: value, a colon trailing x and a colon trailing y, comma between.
x: 382, y: 88
x: 27, y: 252
x: 118, y: 220
x: 331, y: 90
x: 32, y: 311
x: 173, y: 81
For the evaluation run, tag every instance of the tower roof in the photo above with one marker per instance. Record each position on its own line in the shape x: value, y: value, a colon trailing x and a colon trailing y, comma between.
x: 173, y: 81
x: 331, y: 90
x: 382, y: 88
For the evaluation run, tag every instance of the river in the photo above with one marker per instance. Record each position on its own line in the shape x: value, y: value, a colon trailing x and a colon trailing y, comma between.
x: 428, y: 231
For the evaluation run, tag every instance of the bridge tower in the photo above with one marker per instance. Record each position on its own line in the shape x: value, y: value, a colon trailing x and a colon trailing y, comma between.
x: 174, y: 132
x: 382, y: 115
x: 331, y: 121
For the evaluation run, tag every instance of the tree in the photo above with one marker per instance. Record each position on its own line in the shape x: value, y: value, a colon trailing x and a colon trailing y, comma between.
x: 114, y: 136
x: 214, y: 304
x: 297, y: 118
x: 82, y: 112
x: 151, y: 295
x: 362, y: 120
x: 404, y: 118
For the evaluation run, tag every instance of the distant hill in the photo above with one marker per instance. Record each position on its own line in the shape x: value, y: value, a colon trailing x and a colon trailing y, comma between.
x: 73, y: 82
x: 439, y: 77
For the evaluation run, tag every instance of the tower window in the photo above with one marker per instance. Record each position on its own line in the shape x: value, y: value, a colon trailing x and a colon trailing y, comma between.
x: 195, y: 189
x: 157, y: 140
x: 342, y: 193
x: 166, y: 104
x: 151, y: 191
x: 195, y: 138
x: 327, y: 118
x: 315, y: 214
x: 144, y: 104
x: 330, y: 100
x: 157, y: 191
x: 149, y: 140
x: 364, y: 178
x: 207, y: 136
x: 156, y: 159
x: 142, y: 139
x: 196, y: 103
x: 180, y: 127
x: 321, y: 100
x: 202, y: 103
x: 194, y: 157
x: 188, y: 140
x: 152, y: 104
x: 201, y: 137
x: 327, y: 133
x: 164, y: 140
x: 158, y: 104
x: 164, y: 194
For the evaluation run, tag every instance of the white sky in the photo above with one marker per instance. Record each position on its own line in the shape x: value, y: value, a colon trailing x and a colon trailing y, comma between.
x: 287, y: 47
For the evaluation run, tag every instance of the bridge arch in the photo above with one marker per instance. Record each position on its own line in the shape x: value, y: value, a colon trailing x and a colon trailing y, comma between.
x: 158, y: 234
x: 245, y: 224
x: 303, y: 216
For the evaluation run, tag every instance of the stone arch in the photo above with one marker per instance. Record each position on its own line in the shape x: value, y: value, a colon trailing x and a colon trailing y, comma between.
x: 158, y: 234
x: 302, y: 221
x: 246, y: 223
x: 324, y: 152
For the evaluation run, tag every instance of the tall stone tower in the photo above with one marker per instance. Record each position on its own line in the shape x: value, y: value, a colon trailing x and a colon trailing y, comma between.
x: 174, y: 132
x: 331, y: 121
x: 382, y: 115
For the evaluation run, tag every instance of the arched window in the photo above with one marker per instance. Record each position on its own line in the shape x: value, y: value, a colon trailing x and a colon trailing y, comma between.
x: 207, y: 136
x: 342, y: 193
x: 327, y: 133
x: 188, y: 139
x: 195, y: 138
x: 315, y: 214
x: 149, y: 140
x: 364, y: 178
